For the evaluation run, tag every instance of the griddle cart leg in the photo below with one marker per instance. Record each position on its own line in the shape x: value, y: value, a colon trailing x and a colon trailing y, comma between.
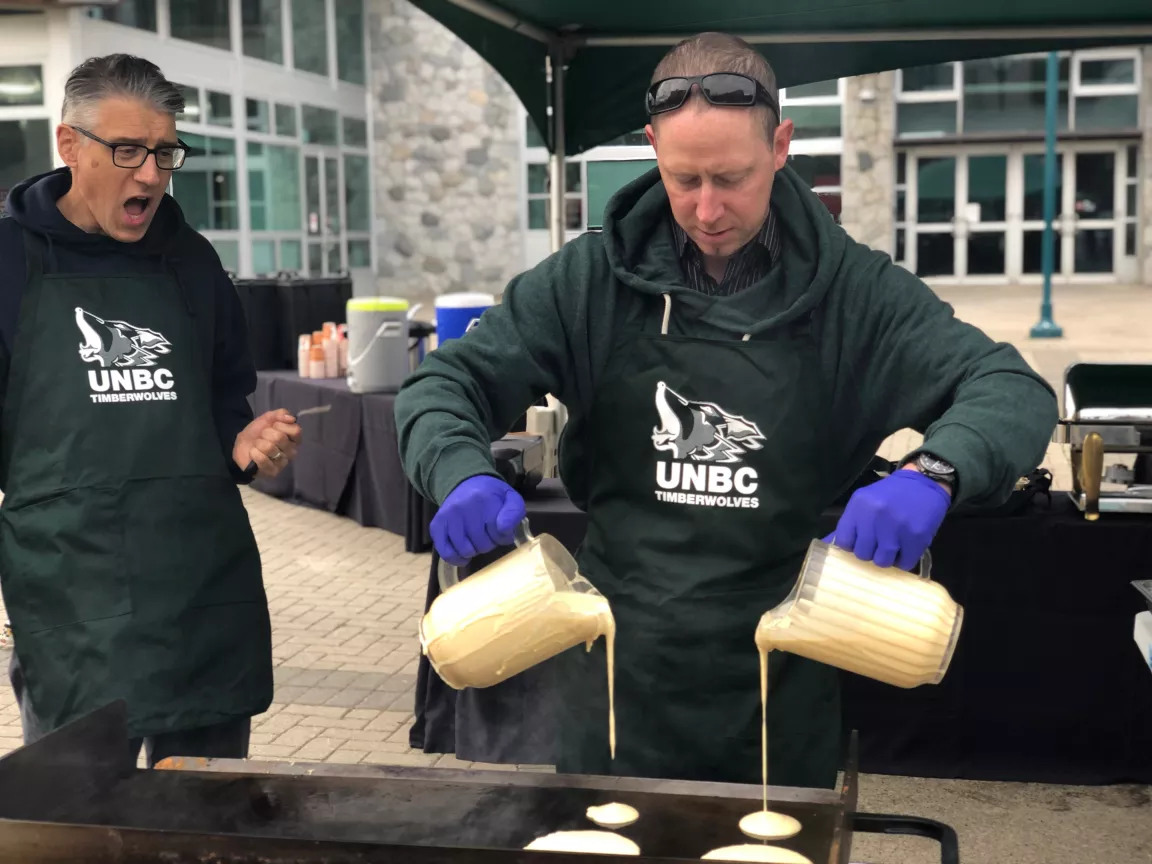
x: 874, y: 823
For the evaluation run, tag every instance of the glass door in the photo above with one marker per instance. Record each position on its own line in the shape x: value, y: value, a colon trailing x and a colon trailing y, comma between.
x: 322, y: 183
x: 985, y: 215
x: 1030, y: 205
x: 934, y: 198
x: 1095, y: 219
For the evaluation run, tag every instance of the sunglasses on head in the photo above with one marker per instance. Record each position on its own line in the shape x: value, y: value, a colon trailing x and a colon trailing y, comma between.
x: 727, y: 89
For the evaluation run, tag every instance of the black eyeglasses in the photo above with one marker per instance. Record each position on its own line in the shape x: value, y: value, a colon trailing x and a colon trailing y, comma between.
x: 727, y: 89
x: 168, y: 158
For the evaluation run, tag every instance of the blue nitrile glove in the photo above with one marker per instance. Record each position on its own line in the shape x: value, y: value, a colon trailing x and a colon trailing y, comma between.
x: 893, y: 521
x: 476, y: 517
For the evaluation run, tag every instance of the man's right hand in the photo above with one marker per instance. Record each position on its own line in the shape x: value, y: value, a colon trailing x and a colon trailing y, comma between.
x: 476, y: 517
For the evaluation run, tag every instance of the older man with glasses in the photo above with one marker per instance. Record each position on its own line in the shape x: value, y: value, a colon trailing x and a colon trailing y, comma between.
x: 128, y: 565
x: 731, y: 360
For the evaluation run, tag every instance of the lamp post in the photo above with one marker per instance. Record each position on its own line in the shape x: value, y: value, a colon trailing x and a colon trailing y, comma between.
x: 1046, y: 328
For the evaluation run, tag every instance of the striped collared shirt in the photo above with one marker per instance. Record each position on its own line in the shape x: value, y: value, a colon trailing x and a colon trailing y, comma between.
x: 746, y: 267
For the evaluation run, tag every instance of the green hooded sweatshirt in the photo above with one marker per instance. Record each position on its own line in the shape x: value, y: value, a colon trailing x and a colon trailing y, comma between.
x: 893, y: 353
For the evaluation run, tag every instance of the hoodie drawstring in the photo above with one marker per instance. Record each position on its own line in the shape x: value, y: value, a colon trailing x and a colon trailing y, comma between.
x: 668, y: 315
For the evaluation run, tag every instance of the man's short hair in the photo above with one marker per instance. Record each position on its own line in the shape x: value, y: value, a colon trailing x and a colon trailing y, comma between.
x: 721, y: 52
x: 117, y: 75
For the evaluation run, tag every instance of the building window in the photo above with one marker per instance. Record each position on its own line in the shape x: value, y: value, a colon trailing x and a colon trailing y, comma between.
x: 929, y: 79
x: 606, y: 178
x: 202, y: 21
x: 332, y: 195
x: 822, y: 174
x: 257, y: 111
x: 286, y: 120
x: 191, y: 112
x: 206, y: 186
x: 901, y: 220
x: 291, y: 255
x: 1106, y: 89
x: 813, y: 108
x: 359, y: 253
x: 263, y: 257
x: 219, y: 109
x: 927, y: 98
x: 140, y: 14
x: 539, y: 182
x: 263, y: 30
x: 357, y: 185
x: 310, y: 36
x: 350, y: 41
x: 1008, y: 94
x: 637, y: 138
x: 228, y: 250
x: 273, y: 187
x: 1131, y: 199
x: 21, y: 85
x: 1098, y: 90
x: 25, y: 151
x: 532, y: 135
x: 355, y: 132
x: 320, y: 125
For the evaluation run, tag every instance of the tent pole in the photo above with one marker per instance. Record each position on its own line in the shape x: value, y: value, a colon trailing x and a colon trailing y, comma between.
x: 1046, y: 328
x: 504, y: 18
x: 558, y: 175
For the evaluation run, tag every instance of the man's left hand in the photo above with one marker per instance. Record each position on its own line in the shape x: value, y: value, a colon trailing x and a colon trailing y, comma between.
x: 270, y: 441
x: 893, y: 520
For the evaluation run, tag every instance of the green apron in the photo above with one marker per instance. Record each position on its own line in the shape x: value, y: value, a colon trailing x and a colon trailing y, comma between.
x: 128, y: 564
x: 707, y: 477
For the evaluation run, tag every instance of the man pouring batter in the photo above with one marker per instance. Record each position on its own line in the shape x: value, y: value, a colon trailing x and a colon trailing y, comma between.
x: 731, y: 361
x: 128, y: 565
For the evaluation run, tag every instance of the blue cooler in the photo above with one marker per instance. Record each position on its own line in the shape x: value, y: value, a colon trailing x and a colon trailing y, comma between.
x: 454, y: 312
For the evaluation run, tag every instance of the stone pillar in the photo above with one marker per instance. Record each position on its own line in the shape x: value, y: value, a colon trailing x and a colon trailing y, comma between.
x: 1144, y: 226
x: 868, y: 166
x: 447, y: 160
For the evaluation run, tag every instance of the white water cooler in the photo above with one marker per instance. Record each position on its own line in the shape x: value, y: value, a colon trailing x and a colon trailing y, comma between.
x: 377, y: 344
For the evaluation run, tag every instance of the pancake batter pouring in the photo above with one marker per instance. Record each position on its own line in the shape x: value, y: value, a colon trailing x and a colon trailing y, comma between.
x: 765, y: 824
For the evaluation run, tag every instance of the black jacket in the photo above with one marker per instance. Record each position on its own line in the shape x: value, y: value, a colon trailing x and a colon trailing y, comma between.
x: 169, y: 244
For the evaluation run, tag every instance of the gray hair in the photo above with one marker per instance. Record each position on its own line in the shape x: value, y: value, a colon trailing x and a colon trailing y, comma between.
x: 117, y: 75
x: 721, y: 52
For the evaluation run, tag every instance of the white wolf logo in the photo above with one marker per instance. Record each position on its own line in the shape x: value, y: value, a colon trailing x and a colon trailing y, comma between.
x: 702, y: 431
x: 118, y: 344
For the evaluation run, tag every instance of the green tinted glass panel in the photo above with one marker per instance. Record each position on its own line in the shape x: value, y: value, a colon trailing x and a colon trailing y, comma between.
x: 925, y: 119
x: 922, y: 79
x: 814, y: 121
x: 320, y: 125
x: 605, y: 178
x: 309, y: 36
x: 350, y: 40
x: 357, y: 189
x: 819, y: 88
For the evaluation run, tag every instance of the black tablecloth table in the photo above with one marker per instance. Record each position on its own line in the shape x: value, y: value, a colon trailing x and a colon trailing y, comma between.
x: 1046, y: 684
x: 349, y: 463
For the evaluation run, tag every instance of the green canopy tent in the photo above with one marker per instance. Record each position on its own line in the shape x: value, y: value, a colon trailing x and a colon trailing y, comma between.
x: 591, y: 60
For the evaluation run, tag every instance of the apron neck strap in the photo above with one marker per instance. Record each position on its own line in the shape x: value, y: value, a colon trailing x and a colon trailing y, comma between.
x: 668, y: 316
x: 35, y: 249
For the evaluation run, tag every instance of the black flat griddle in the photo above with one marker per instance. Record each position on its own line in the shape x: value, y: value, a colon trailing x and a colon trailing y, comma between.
x: 76, y: 795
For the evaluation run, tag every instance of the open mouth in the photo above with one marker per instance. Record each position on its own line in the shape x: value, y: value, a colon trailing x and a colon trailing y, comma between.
x: 136, y: 208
